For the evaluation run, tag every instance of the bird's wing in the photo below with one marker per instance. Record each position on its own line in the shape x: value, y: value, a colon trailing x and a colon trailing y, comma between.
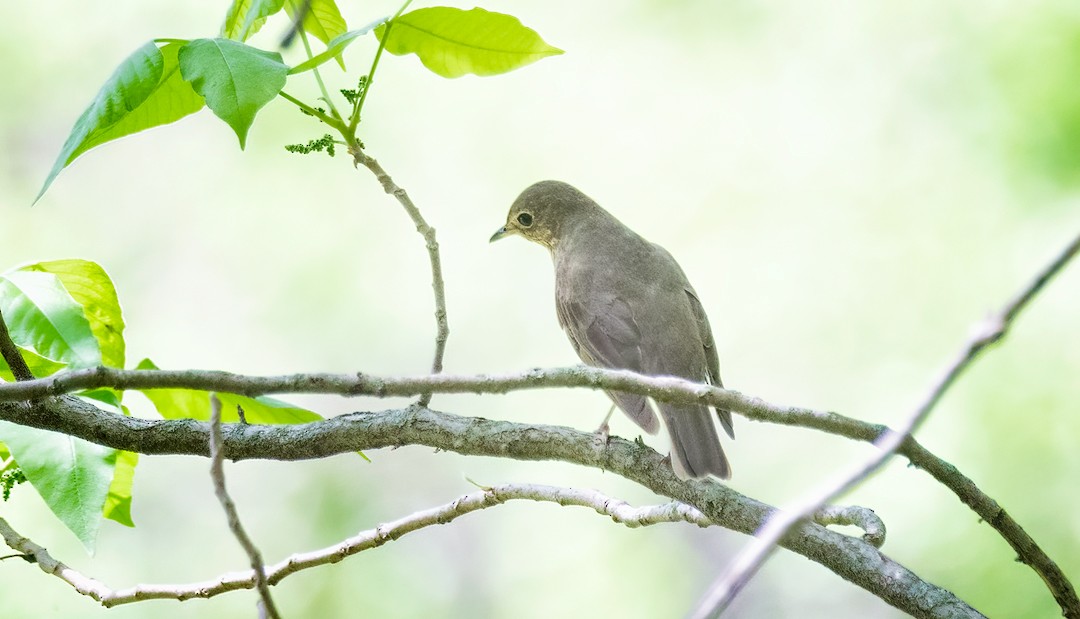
x: 712, y: 359
x: 604, y: 333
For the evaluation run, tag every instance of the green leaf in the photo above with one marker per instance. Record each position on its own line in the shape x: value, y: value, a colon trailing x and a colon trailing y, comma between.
x: 42, y: 315
x: 245, y: 17
x: 323, y: 19
x: 118, y: 500
x: 145, y: 91
x: 70, y: 474
x: 39, y: 366
x: 334, y: 48
x: 192, y: 404
x: 235, y: 79
x: 105, y: 397
x: 452, y: 42
x: 92, y: 288
x: 263, y: 410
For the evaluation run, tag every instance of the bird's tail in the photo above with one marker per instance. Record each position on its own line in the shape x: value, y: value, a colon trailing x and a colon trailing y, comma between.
x: 695, y: 446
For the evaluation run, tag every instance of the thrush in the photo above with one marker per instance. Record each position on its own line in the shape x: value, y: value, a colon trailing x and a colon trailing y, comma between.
x: 625, y: 303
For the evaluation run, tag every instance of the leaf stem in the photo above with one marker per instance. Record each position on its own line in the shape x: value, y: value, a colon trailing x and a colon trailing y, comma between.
x: 335, y: 123
x: 354, y: 119
x: 318, y: 76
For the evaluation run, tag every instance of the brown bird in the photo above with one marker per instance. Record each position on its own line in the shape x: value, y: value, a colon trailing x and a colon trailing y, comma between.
x: 626, y: 304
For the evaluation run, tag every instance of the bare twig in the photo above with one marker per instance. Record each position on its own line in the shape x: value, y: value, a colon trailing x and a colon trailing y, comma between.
x: 36, y: 554
x: 151, y: 437
x: 217, y: 474
x: 619, y: 511
x: 987, y: 332
x: 441, y: 324
x: 11, y: 354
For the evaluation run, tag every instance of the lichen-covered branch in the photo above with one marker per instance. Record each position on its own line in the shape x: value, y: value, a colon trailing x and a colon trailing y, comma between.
x: 850, y: 558
x: 854, y: 515
x: 72, y: 417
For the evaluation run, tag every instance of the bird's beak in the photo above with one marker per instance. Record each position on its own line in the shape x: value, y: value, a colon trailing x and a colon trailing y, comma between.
x: 500, y: 233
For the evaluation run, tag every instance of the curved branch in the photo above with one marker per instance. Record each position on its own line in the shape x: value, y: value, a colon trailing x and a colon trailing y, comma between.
x: 113, y: 430
x: 985, y: 333
x: 11, y: 354
x: 618, y: 510
x: 667, y: 388
x: 217, y: 475
x: 426, y: 231
x: 850, y: 558
x: 853, y: 515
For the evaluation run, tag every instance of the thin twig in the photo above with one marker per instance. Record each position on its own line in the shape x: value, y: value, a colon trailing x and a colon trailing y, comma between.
x: 442, y: 327
x: 217, y: 473
x: 318, y: 77
x: 619, y: 511
x: 11, y: 354
x: 133, y: 434
x: 987, y: 332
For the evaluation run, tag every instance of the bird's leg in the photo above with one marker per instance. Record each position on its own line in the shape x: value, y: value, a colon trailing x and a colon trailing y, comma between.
x: 603, y: 433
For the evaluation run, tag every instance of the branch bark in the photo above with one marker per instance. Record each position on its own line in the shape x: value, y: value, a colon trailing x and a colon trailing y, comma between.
x: 618, y: 510
x: 74, y: 417
x: 851, y: 558
x: 217, y: 474
x: 11, y: 354
x: 985, y: 333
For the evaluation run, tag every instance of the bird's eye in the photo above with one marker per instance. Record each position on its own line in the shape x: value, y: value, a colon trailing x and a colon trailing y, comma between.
x: 525, y: 219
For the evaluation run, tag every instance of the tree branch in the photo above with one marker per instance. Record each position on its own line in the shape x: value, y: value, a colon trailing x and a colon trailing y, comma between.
x: 985, y: 333
x: 388, y: 184
x: 217, y: 474
x: 11, y: 354
x: 73, y: 417
x: 618, y: 510
x: 850, y: 558
x: 853, y: 515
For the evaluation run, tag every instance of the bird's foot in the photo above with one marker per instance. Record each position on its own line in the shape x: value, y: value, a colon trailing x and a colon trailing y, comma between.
x: 603, y: 433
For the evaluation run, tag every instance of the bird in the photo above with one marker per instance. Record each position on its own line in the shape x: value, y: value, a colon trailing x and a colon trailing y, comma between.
x: 625, y: 303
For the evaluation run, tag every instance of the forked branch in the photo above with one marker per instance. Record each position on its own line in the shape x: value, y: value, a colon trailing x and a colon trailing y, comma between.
x: 985, y: 333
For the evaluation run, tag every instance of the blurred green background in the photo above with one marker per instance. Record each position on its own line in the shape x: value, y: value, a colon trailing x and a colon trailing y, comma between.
x: 850, y: 186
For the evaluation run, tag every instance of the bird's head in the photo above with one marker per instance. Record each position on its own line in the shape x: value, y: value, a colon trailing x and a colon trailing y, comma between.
x: 544, y: 212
